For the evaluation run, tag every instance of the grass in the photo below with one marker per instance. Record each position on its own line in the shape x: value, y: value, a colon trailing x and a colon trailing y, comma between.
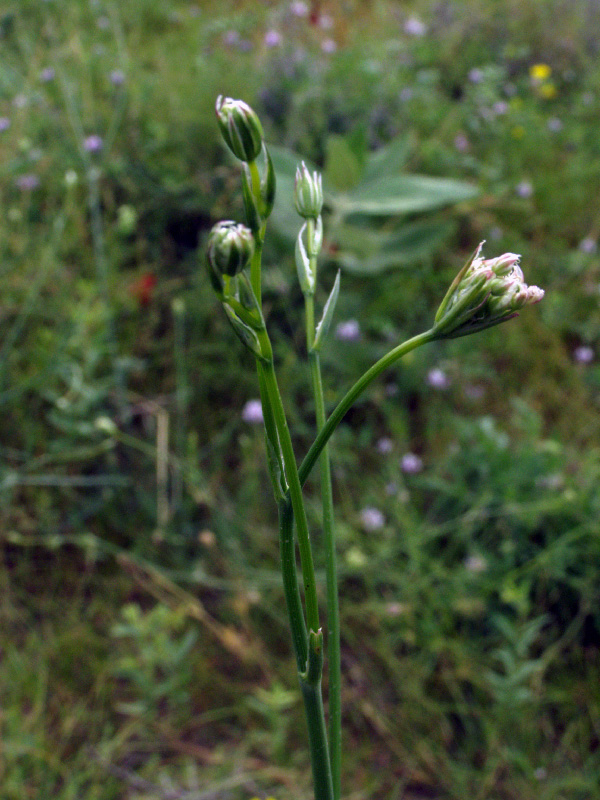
x: 145, y: 652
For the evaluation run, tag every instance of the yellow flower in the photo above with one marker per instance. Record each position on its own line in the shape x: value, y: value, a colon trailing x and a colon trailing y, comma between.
x: 518, y: 132
x: 540, y: 72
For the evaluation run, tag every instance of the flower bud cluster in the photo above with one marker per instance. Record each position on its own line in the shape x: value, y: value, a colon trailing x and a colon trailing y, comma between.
x: 484, y: 293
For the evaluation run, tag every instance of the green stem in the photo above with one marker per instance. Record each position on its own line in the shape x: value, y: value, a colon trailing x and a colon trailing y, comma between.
x: 290, y: 584
x: 310, y: 668
x: 310, y: 684
x: 351, y: 396
x: 255, y: 264
x: 333, y: 608
x: 295, y: 492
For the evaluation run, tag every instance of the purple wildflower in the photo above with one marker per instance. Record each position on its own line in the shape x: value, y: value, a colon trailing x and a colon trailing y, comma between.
x: 299, y: 9
x: 328, y: 46
x: 93, y: 143
x: 27, y: 182
x: 583, y: 354
x: 4, y: 124
x: 231, y: 38
x: 461, y: 143
x: 272, y: 39
x: 411, y: 463
x: 414, y: 27
x: 252, y: 412
x: 372, y: 519
x: 588, y: 245
x: 384, y: 445
x: 438, y: 379
x: 348, y: 331
x: 117, y: 77
x: 524, y: 189
x: 47, y: 74
x: 476, y: 75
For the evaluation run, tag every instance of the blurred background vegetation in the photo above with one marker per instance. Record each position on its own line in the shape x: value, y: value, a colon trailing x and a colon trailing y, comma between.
x: 144, y: 650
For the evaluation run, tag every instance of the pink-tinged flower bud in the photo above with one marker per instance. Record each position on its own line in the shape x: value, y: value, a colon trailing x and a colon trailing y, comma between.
x: 503, y: 265
x: 240, y: 128
x: 484, y: 293
x: 308, y: 193
x: 534, y: 295
x: 230, y: 248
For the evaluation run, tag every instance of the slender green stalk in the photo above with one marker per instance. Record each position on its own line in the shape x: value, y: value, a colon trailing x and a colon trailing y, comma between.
x: 290, y: 584
x: 319, y: 755
x: 255, y: 264
x: 272, y: 425
x: 351, y: 396
x: 255, y: 269
x: 333, y: 609
x: 310, y: 672
x: 295, y: 492
x: 286, y: 534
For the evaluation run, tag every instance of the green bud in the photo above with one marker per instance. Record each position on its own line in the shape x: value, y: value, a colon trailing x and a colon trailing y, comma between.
x: 230, y: 248
x: 308, y: 193
x: 240, y: 128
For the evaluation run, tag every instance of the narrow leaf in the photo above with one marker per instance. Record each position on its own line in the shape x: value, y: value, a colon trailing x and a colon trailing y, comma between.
x: 305, y: 275
x: 328, y: 311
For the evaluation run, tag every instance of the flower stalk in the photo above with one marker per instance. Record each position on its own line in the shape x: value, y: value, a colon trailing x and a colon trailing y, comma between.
x: 485, y: 293
x: 309, y: 202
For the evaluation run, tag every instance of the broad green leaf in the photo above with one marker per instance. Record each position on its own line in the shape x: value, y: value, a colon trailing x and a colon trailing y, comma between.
x: 286, y: 162
x: 401, y: 248
x: 342, y: 167
x: 386, y: 161
x: 403, y: 194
